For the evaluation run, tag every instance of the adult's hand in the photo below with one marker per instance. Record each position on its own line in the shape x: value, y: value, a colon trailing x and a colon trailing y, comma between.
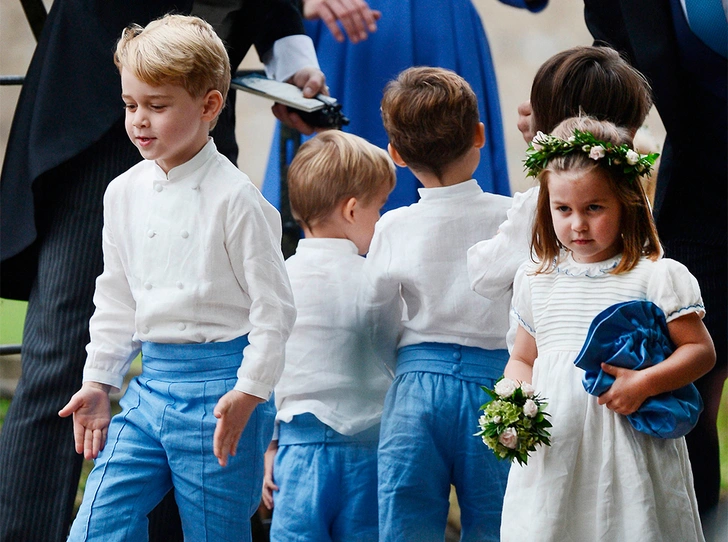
x: 525, y: 121
x: 355, y: 16
x: 311, y: 81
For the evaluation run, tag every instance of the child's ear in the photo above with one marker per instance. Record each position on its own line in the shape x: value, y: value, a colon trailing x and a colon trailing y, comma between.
x: 212, y: 105
x: 396, y: 158
x: 348, y: 208
x: 479, y: 137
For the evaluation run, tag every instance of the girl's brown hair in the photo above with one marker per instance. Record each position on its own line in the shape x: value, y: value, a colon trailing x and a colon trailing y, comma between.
x: 639, y: 234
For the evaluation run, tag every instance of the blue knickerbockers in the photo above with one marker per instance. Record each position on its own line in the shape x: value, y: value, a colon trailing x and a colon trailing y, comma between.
x: 162, y: 438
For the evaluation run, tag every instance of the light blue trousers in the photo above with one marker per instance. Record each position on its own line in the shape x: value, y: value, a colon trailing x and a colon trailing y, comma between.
x: 162, y: 438
x: 427, y: 443
x: 328, y: 484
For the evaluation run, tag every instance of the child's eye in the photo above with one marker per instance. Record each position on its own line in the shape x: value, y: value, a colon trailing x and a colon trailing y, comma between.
x: 156, y: 107
x: 563, y: 209
x: 130, y: 107
x: 594, y: 207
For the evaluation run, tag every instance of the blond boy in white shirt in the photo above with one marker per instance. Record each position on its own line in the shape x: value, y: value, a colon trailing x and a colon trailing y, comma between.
x: 331, y: 393
x: 450, y: 340
x: 194, y: 278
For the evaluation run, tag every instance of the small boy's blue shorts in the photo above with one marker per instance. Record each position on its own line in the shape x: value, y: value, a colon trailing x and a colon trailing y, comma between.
x: 427, y: 443
x: 162, y: 438
x: 327, y: 484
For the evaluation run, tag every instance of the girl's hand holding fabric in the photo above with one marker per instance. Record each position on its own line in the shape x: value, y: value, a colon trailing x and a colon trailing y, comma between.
x: 628, y: 391
x: 232, y: 411
x: 91, y: 411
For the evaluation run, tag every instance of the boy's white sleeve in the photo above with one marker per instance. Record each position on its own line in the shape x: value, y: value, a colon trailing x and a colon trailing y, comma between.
x: 492, y: 263
x: 112, y: 326
x: 289, y: 55
x: 253, y: 242
x: 379, y: 302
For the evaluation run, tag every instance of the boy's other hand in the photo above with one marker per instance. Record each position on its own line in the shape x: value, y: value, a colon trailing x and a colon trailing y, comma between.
x: 232, y: 412
x: 269, y: 485
x: 355, y: 16
x: 91, y: 411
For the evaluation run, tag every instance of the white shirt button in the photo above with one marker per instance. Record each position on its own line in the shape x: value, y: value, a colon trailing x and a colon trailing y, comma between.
x: 185, y: 234
x: 145, y: 329
x: 150, y: 233
x: 181, y: 326
x: 147, y: 285
x: 180, y: 285
x: 158, y: 187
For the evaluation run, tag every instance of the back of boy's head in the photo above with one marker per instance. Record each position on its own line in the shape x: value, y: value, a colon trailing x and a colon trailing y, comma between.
x: 176, y: 49
x: 430, y: 115
x: 332, y: 167
x: 592, y: 81
x: 639, y: 235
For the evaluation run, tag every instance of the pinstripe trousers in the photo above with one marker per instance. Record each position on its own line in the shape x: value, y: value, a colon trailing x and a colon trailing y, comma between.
x: 39, y: 468
x: 708, y: 262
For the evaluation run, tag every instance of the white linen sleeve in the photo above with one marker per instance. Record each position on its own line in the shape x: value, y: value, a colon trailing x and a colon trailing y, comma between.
x: 253, y: 242
x: 521, y: 307
x: 493, y: 263
x: 112, y: 327
x: 380, y: 303
x: 288, y: 55
x: 675, y: 290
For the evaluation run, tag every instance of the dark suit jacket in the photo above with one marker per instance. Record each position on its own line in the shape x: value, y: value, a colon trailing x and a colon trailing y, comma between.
x: 72, y: 91
x: 691, y: 186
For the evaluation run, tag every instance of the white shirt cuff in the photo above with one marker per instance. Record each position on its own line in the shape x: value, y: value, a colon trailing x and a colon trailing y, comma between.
x: 289, y: 55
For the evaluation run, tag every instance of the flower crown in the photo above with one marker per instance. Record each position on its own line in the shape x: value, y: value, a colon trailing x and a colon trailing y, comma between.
x: 621, y: 158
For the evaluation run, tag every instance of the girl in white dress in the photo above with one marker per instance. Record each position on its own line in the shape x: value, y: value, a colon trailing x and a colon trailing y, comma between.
x: 597, y: 246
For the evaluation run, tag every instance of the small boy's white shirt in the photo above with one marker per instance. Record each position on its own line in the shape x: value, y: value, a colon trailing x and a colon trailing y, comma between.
x: 418, y: 258
x: 330, y: 368
x: 191, y: 256
x: 510, y: 248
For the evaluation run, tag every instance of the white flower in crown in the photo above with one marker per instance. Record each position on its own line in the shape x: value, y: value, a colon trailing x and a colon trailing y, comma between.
x: 505, y: 387
x: 530, y: 408
x: 597, y: 152
x: 539, y: 140
x: 509, y: 438
x: 632, y: 157
x: 527, y: 389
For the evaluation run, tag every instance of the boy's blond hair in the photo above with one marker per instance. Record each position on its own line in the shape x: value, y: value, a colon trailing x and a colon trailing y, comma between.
x: 430, y: 115
x: 178, y: 50
x: 331, y: 168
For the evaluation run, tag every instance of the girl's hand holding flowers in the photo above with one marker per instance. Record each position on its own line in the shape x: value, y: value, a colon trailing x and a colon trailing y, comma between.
x: 514, y: 422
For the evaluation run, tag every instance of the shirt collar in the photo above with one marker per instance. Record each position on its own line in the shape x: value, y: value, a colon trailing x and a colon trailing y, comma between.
x: 191, y: 165
x: 465, y: 189
x: 318, y: 243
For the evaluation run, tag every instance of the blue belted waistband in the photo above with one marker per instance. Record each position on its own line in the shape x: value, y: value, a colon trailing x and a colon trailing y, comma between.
x: 464, y: 362
x: 194, y: 361
x: 308, y: 429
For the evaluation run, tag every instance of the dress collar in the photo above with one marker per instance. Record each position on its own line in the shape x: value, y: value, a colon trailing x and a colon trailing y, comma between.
x: 331, y: 244
x: 568, y: 266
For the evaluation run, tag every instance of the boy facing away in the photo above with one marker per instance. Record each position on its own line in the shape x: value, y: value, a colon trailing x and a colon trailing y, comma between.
x: 193, y: 277
x: 331, y: 393
x: 450, y: 340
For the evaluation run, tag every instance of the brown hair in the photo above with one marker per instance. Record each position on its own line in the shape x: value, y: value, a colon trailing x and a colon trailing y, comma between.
x: 639, y: 235
x: 592, y: 81
x: 332, y: 167
x: 178, y: 50
x: 430, y: 115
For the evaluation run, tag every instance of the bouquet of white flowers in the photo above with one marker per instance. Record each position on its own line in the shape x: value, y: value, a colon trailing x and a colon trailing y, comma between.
x: 514, y: 422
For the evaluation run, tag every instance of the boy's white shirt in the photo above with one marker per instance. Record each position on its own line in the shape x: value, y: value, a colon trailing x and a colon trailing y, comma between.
x: 418, y: 259
x: 191, y: 256
x: 509, y: 248
x: 330, y: 368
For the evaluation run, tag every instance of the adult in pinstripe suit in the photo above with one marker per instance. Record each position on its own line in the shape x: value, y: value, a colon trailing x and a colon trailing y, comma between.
x: 67, y: 142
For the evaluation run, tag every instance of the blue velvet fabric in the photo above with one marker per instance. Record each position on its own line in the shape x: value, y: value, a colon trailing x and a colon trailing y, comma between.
x: 634, y: 335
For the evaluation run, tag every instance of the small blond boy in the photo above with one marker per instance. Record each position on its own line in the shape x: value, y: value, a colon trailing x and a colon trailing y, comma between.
x: 194, y: 278
x: 451, y: 340
x: 331, y: 394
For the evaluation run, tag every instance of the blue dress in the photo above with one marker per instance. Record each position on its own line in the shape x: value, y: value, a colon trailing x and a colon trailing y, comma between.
x: 444, y: 33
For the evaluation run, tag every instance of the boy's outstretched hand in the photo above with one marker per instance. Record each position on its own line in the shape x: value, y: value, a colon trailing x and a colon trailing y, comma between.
x: 91, y: 411
x: 232, y: 412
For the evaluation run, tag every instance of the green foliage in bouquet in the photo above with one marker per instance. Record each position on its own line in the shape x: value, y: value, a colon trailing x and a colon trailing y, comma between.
x: 514, y: 421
